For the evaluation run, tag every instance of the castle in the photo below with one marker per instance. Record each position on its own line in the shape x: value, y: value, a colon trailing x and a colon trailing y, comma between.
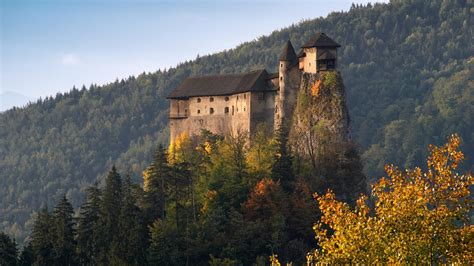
x: 232, y: 103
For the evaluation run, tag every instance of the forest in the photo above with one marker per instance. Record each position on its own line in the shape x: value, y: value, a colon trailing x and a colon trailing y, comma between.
x: 219, y: 201
x: 407, y: 67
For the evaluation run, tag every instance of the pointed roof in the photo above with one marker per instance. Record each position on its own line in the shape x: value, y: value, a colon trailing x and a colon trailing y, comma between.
x: 288, y: 53
x: 320, y: 39
x: 218, y: 85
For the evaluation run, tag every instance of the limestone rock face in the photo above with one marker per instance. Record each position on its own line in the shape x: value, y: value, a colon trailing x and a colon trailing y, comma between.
x: 321, y: 115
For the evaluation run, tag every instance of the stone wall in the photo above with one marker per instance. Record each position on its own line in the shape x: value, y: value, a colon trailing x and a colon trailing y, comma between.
x: 231, y: 114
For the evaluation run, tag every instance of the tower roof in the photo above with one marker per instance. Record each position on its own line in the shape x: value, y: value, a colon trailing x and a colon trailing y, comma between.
x: 288, y: 53
x: 320, y: 39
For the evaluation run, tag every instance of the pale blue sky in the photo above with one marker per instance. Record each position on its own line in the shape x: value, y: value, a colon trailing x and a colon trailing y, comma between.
x: 49, y: 46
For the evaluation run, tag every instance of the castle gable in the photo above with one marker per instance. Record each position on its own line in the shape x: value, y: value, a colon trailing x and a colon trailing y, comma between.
x: 320, y: 40
x: 217, y: 85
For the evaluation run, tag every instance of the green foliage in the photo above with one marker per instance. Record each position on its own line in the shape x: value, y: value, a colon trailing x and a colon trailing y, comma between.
x: 109, y: 216
x: 8, y: 250
x: 407, y: 61
x: 64, y: 245
x: 88, y: 227
x: 41, y: 238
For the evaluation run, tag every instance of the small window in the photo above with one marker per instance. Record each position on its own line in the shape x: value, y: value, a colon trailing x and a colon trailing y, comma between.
x: 226, y: 98
x: 281, y: 78
x: 245, y: 96
x: 198, y: 100
x: 211, y: 110
x: 237, y: 109
x: 226, y: 110
x: 237, y: 97
x: 244, y: 109
x: 281, y: 65
x: 199, y: 111
x: 185, y: 112
x: 211, y: 99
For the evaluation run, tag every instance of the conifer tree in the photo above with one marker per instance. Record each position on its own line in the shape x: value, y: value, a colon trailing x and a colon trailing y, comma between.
x: 41, y: 241
x: 132, y: 245
x: 155, y: 185
x: 26, y: 256
x: 109, y: 214
x: 63, y: 232
x: 282, y: 168
x: 8, y: 250
x: 88, y: 227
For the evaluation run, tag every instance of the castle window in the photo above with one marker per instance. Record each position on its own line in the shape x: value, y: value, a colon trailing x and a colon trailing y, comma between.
x: 211, y: 99
x: 281, y: 65
x: 226, y: 110
x: 211, y: 110
x: 199, y: 111
x: 281, y: 78
x: 226, y: 98
x: 198, y: 100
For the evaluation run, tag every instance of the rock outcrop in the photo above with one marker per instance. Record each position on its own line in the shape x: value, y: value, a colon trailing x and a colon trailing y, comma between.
x: 321, y: 115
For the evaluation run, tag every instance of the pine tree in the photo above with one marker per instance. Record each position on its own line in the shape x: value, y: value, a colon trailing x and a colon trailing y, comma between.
x: 109, y: 214
x: 26, y: 256
x: 282, y: 168
x: 8, y: 250
x: 63, y: 232
x: 132, y: 247
x: 155, y: 185
x: 41, y: 241
x: 88, y: 227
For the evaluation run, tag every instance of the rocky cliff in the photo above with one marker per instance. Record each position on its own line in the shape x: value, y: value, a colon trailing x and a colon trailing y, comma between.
x: 321, y: 116
x: 319, y: 136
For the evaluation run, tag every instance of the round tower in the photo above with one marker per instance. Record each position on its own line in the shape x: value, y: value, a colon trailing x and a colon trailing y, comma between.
x: 288, y: 60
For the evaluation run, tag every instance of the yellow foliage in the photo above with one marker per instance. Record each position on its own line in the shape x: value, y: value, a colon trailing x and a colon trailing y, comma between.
x: 420, y: 217
x: 146, y: 179
x: 180, y: 149
x: 274, y: 260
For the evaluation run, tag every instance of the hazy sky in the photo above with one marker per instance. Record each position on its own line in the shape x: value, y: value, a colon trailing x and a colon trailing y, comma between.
x: 49, y: 46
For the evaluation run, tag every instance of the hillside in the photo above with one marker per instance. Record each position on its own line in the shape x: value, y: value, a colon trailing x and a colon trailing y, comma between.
x: 407, y: 67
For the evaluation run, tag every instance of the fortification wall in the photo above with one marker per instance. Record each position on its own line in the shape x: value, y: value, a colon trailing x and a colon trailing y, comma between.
x: 218, y: 114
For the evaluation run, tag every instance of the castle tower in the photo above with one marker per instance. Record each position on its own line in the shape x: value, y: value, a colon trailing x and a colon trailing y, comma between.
x: 318, y: 54
x: 288, y: 63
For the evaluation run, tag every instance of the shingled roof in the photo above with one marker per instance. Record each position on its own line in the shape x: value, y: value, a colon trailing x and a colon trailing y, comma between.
x: 320, y: 39
x: 227, y: 84
x: 326, y: 54
x: 288, y: 53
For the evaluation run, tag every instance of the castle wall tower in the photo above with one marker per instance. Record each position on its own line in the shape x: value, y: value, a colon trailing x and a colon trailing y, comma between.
x: 288, y: 80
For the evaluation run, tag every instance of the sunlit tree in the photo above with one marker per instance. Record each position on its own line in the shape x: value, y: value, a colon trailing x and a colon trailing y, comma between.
x: 419, y: 217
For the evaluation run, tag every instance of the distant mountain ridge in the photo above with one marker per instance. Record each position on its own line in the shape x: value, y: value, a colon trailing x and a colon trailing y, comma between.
x: 10, y: 99
x: 407, y: 67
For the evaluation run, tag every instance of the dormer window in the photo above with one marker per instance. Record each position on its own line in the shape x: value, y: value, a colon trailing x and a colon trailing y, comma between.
x: 211, y: 99
x: 198, y: 100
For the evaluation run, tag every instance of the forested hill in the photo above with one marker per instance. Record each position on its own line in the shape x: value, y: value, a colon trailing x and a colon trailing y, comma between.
x: 407, y: 66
